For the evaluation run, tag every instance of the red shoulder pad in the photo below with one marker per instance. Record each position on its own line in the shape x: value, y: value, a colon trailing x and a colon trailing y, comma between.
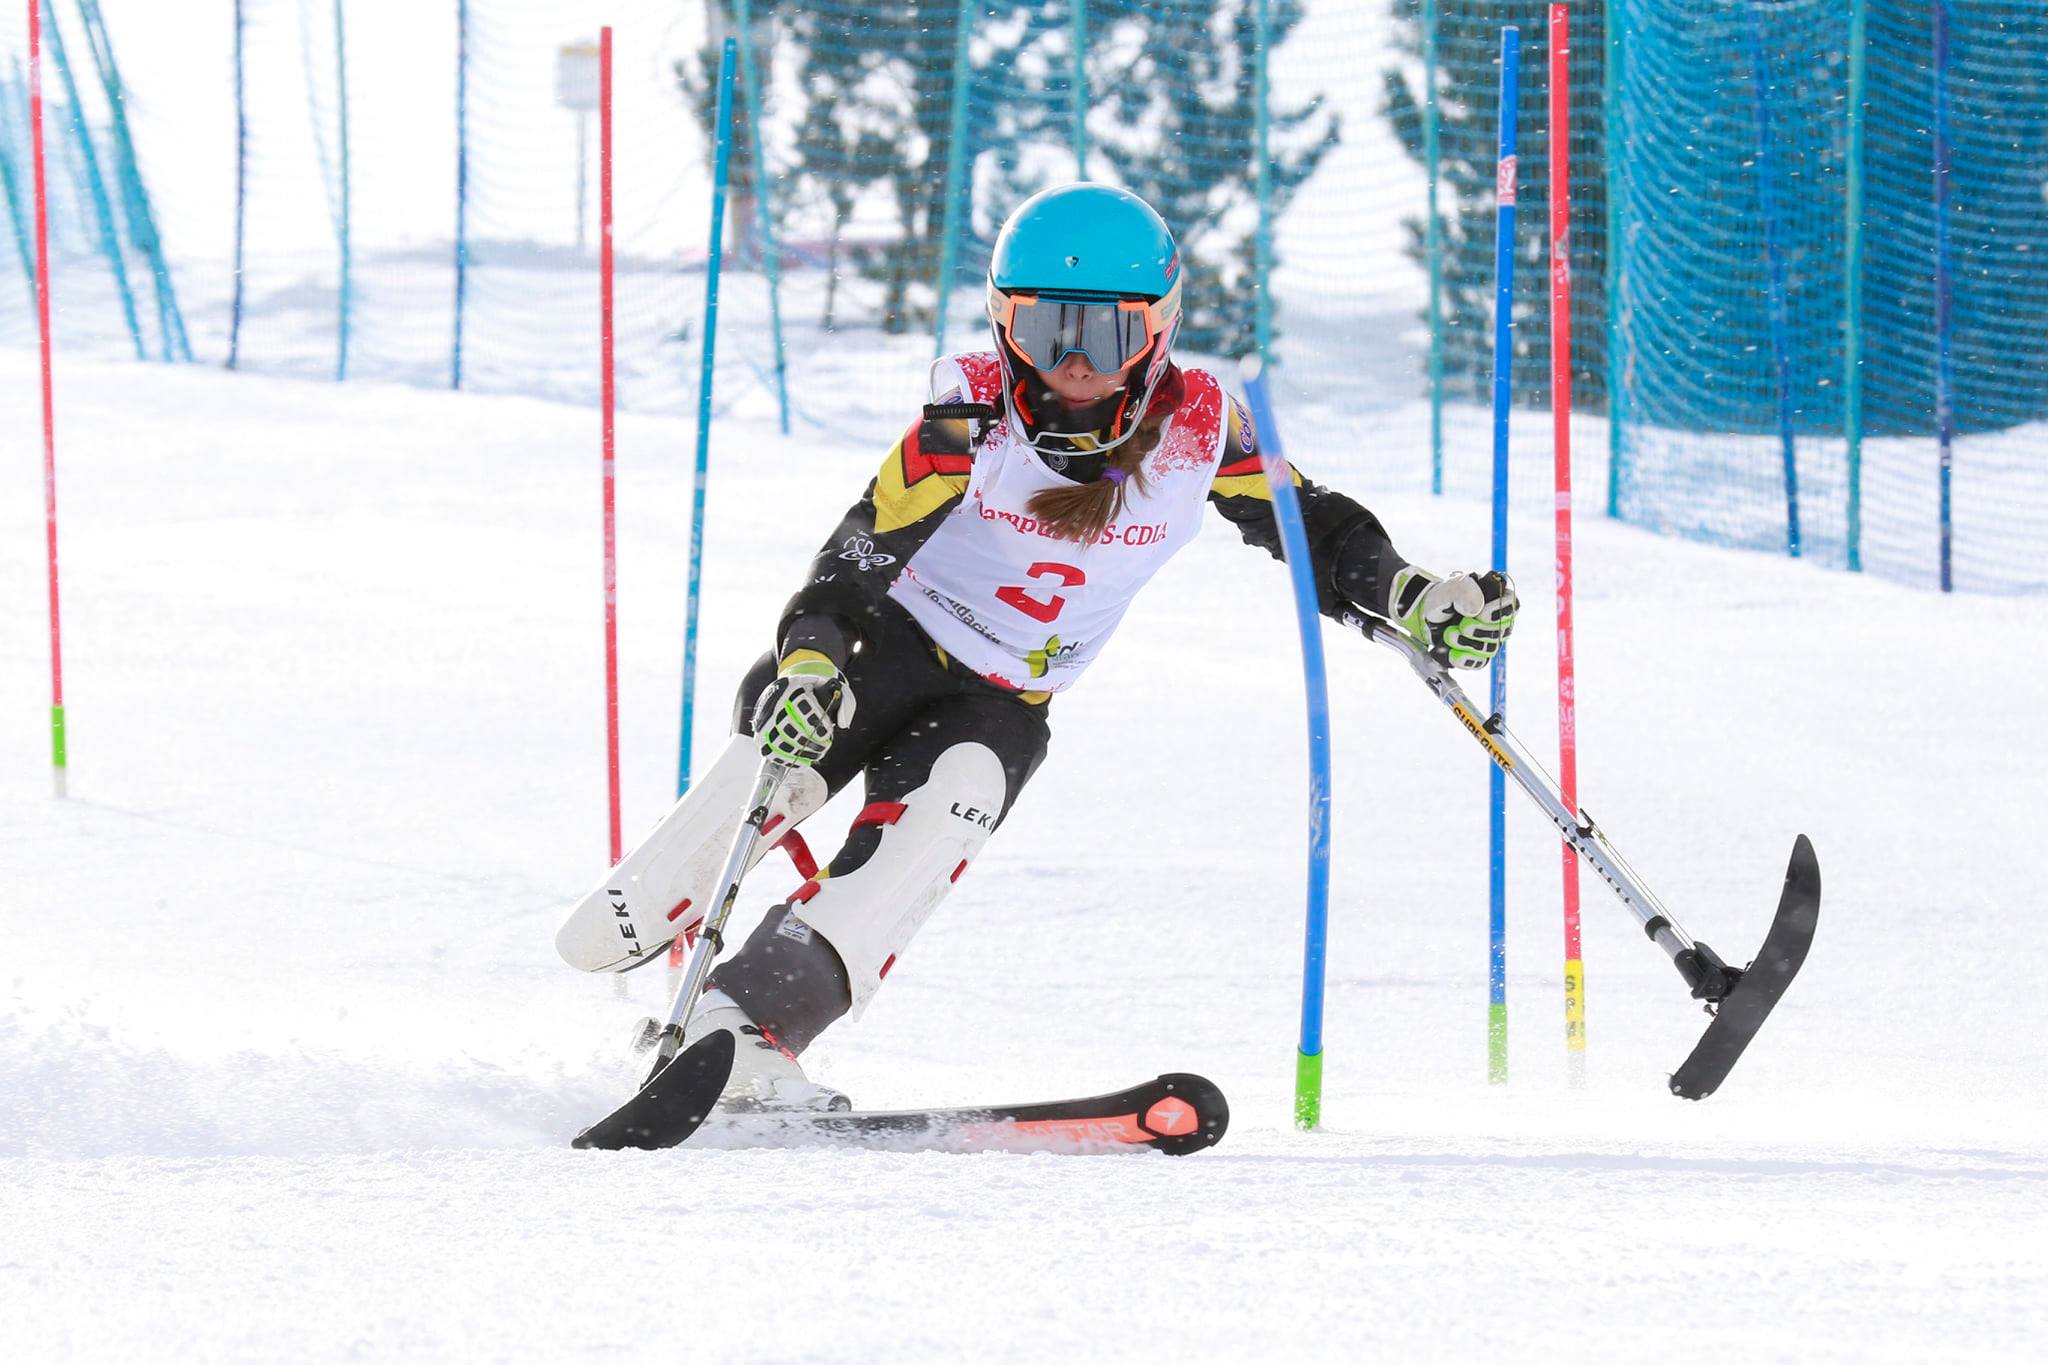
x: 1195, y: 434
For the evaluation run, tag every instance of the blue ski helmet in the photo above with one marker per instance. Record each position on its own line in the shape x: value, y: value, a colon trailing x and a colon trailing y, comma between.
x: 1087, y: 268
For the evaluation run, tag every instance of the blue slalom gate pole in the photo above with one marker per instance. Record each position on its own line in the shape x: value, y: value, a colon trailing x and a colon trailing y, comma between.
x: 1774, y: 256
x: 1503, y: 398
x: 1308, y: 1059
x: 721, y: 170
x: 1944, y: 323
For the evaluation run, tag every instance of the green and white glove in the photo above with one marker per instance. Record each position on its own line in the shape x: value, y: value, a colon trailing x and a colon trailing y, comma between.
x: 799, y: 713
x: 1462, y: 620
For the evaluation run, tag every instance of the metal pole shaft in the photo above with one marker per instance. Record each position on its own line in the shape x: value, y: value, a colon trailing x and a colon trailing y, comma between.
x: 711, y: 938
x: 1509, y: 756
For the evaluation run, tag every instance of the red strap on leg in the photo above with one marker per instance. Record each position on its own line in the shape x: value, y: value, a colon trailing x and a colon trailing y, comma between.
x: 879, y: 813
x: 799, y: 853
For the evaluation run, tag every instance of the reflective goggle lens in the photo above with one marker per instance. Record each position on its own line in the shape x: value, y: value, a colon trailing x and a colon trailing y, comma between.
x: 1110, y: 334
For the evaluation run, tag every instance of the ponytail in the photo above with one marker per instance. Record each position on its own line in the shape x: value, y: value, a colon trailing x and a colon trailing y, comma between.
x: 1083, y: 511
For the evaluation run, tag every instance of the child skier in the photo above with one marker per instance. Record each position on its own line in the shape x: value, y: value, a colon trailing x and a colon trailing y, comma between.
x: 980, y: 573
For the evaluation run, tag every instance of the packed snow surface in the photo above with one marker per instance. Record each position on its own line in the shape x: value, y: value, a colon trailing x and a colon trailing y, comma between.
x: 288, y: 1066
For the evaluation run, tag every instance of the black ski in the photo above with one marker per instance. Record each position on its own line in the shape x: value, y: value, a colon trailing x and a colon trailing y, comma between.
x: 1176, y: 1113
x: 1758, y: 987
x: 675, y: 1101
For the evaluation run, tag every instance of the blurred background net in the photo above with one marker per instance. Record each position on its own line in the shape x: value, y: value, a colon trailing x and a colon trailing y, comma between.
x: 348, y: 191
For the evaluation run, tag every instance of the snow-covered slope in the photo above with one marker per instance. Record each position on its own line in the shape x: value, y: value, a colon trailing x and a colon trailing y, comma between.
x: 288, y: 1066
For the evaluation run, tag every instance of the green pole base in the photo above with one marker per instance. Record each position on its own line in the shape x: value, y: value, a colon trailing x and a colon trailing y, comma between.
x: 1497, y: 1044
x: 58, y: 769
x: 1308, y: 1091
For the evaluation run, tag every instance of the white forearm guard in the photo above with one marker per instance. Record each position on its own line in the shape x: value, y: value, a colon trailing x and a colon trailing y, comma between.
x: 666, y: 883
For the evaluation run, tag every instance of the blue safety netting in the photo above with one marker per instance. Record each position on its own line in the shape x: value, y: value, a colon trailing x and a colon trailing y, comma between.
x: 1739, y: 158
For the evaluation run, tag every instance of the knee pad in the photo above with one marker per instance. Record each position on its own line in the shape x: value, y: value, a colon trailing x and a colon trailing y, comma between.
x: 869, y: 913
x: 666, y: 883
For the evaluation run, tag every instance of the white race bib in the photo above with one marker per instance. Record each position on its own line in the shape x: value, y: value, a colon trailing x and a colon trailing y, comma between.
x: 1021, y: 607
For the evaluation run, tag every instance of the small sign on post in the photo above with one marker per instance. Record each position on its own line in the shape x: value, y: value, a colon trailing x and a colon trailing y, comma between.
x: 576, y: 89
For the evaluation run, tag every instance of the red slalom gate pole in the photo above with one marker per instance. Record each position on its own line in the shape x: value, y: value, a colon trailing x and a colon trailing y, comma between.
x: 1561, y: 419
x: 35, y: 119
x: 611, y: 526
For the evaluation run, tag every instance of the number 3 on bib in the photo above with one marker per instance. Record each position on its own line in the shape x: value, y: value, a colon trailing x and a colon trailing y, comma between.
x: 1069, y: 577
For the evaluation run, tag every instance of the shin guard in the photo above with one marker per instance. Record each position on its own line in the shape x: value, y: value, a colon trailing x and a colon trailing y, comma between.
x: 901, y: 860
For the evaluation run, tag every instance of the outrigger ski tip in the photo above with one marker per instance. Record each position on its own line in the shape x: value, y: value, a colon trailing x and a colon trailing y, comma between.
x: 673, y: 1104
x: 1742, y: 999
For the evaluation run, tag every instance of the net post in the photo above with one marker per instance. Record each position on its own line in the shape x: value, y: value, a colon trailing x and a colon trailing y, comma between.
x: 721, y: 172
x: 103, y: 211
x: 1262, y: 249
x: 241, y: 189
x: 1774, y: 260
x: 1080, y: 81
x: 345, y: 226
x: 1613, y: 148
x: 1433, y: 244
x: 1944, y: 295
x: 771, y: 253
x: 462, y: 191
x: 1852, y: 321
x: 956, y: 162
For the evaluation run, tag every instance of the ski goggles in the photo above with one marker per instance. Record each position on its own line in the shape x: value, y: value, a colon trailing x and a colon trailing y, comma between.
x: 1110, y: 332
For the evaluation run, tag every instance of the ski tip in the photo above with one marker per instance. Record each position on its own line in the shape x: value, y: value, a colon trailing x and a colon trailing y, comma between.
x: 673, y: 1103
x: 1177, y: 1131
x: 1799, y: 905
x: 1805, y: 865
